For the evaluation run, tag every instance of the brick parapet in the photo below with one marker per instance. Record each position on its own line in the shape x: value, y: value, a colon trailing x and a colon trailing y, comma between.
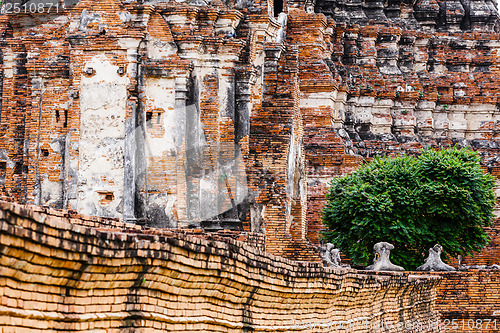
x: 62, y: 276
x: 467, y: 301
x: 288, y: 106
x: 103, y: 224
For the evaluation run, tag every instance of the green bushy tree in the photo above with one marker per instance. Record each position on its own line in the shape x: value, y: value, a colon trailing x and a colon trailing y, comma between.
x: 440, y: 197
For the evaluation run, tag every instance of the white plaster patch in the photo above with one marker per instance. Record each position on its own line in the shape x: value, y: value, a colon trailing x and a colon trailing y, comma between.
x: 176, y: 19
x: 323, y: 99
x: 160, y: 94
x: 225, y: 93
x: 60, y: 20
x: 158, y: 49
x: 51, y: 193
x: 103, y: 98
x: 125, y: 16
x: 8, y: 64
x: 382, y: 119
x: 281, y: 34
x: 169, y: 207
x: 214, y: 203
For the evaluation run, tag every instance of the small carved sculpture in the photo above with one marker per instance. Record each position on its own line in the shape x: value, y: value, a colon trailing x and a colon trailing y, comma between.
x: 382, y: 260
x: 434, y: 262
x: 330, y: 256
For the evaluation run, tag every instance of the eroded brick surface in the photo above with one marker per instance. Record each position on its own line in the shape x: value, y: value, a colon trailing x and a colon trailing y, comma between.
x: 65, y: 272
x: 468, y: 301
x: 233, y: 115
x: 221, y: 116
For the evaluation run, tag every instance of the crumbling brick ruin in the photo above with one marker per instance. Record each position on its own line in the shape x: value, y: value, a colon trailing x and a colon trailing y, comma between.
x: 88, y: 274
x: 234, y: 115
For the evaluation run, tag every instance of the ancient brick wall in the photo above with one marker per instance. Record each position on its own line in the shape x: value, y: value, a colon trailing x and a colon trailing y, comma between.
x: 490, y: 255
x: 256, y: 240
x: 57, y: 275
x: 231, y: 115
x: 225, y: 115
x: 413, y: 77
x: 167, y: 115
x: 468, y: 301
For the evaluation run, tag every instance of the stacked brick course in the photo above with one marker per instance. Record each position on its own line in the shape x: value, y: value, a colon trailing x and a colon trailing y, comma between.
x: 225, y: 115
x: 172, y: 115
x: 468, y: 301
x: 60, y: 276
x: 231, y: 116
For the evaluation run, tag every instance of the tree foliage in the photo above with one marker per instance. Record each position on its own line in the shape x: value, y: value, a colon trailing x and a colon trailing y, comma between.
x: 440, y: 197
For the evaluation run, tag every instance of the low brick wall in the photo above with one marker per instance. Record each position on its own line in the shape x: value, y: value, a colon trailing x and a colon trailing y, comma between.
x: 490, y: 254
x: 468, y: 300
x: 59, y: 276
x: 105, y: 224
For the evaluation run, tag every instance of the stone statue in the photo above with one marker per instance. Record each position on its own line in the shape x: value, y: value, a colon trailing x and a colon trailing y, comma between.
x: 330, y: 256
x: 434, y: 262
x: 382, y: 260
